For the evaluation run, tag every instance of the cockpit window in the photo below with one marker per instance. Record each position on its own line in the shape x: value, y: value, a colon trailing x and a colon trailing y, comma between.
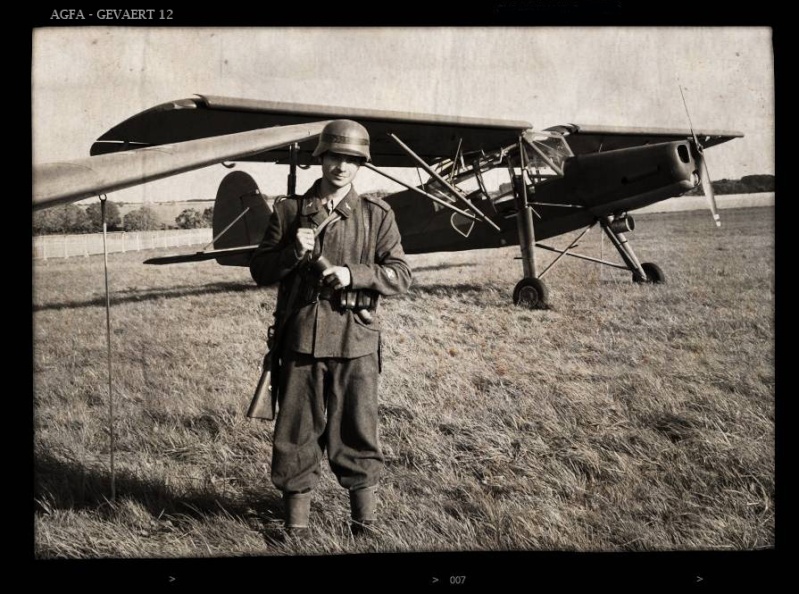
x: 545, y: 154
x: 485, y: 176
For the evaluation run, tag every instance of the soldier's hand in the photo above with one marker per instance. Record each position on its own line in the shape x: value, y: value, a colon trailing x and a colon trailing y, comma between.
x: 304, y: 242
x: 337, y: 277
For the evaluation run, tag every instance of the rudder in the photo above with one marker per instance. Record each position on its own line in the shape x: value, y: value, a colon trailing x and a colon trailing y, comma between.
x: 240, y: 206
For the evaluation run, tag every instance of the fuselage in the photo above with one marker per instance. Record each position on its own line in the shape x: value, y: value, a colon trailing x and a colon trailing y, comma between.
x: 592, y: 186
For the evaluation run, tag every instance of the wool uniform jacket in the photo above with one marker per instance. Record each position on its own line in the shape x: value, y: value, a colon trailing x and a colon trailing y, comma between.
x: 366, y: 240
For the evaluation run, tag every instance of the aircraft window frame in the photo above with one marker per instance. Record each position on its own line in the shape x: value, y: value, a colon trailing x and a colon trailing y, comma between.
x: 546, y: 153
x: 542, y: 151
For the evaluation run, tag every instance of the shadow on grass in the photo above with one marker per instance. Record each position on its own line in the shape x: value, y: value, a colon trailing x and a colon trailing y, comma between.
x: 135, y: 296
x: 443, y: 266
x: 440, y: 290
x: 68, y: 485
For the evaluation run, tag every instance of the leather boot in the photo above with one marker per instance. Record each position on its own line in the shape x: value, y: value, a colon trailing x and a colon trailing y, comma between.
x: 298, y: 511
x: 362, y: 506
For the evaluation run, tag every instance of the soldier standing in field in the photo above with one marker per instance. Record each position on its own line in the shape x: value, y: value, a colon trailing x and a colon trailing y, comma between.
x: 334, y: 253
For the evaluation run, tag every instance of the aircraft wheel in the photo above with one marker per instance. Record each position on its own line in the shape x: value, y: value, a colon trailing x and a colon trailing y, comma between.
x: 531, y: 293
x: 654, y: 274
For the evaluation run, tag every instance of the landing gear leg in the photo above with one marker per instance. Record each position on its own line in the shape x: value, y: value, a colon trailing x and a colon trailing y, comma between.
x: 530, y: 292
x: 642, y: 273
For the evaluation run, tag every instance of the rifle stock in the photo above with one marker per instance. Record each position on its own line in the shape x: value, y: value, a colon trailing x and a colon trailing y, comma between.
x: 264, y: 401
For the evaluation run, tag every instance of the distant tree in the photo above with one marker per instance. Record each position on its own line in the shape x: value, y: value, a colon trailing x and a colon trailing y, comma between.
x: 759, y: 183
x: 61, y: 219
x: 727, y: 186
x: 190, y: 219
x: 76, y: 220
x: 113, y: 216
x: 142, y: 219
x: 746, y: 185
x: 208, y: 217
x: 47, y: 221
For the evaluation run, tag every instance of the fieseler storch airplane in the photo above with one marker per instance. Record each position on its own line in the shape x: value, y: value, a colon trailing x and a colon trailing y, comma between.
x: 490, y: 182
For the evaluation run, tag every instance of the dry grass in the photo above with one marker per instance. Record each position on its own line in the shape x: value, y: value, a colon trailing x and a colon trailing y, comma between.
x: 624, y: 418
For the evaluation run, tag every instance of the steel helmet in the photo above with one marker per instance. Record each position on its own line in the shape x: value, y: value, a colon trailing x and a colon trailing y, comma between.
x: 345, y: 137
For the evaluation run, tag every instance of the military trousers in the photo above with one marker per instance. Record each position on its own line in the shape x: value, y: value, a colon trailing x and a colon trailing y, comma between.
x: 326, y: 405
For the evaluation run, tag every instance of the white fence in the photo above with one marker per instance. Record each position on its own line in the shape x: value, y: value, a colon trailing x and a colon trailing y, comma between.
x: 68, y: 246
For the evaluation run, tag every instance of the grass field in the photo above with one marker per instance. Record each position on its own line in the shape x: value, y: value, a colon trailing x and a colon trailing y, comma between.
x: 625, y: 418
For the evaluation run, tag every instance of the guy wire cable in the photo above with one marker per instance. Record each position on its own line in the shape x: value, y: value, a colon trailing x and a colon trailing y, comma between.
x: 103, y: 199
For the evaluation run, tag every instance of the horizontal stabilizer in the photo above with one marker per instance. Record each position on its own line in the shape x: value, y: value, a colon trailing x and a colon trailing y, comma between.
x: 202, y: 256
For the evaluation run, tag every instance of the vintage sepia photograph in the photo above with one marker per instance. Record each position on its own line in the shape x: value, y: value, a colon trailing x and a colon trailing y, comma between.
x: 345, y: 292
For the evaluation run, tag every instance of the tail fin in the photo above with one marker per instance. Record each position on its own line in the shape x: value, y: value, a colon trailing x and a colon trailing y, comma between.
x: 240, y: 216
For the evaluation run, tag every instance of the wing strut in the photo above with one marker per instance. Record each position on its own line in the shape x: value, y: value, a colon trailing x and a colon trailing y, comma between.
x: 443, y: 203
x: 455, y: 192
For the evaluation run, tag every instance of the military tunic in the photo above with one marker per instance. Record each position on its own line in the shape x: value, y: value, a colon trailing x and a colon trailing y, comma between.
x: 330, y: 357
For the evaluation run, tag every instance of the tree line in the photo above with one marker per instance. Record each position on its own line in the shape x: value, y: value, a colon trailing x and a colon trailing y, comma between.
x: 748, y: 184
x: 73, y: 219
x: 70, y: 219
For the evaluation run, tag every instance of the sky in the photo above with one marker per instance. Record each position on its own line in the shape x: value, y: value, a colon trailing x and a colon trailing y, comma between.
x: 87, y: 79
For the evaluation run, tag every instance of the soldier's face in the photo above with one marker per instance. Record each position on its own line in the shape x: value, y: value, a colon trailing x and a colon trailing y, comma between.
x: 340, y: 169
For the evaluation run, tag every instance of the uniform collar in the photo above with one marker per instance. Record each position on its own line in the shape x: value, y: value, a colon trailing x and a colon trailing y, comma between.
x: 312, y: 205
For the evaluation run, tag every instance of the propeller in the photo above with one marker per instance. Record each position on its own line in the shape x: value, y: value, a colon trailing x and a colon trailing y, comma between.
x: 704, y: 174
x: 707, y: 185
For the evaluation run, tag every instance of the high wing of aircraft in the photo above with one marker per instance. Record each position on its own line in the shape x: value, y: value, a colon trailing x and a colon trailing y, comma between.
x: 490, y: 182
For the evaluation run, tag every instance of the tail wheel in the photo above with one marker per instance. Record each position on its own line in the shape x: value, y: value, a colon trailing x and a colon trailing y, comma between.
x: 654, y: 274
x: 531, y: 293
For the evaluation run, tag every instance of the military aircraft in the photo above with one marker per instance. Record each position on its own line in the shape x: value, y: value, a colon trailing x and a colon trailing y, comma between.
x: 490, y: 182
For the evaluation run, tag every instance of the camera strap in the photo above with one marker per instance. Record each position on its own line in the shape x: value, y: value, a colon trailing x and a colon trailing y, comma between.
x: 331, y: 218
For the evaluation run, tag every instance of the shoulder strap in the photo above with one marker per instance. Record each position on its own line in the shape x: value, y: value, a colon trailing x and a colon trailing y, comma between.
x: 331, y: 218
x: 367, y: 252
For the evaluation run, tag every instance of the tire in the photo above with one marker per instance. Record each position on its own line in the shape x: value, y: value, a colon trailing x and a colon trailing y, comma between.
x: 654, y: 274
x: 531, y: 293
